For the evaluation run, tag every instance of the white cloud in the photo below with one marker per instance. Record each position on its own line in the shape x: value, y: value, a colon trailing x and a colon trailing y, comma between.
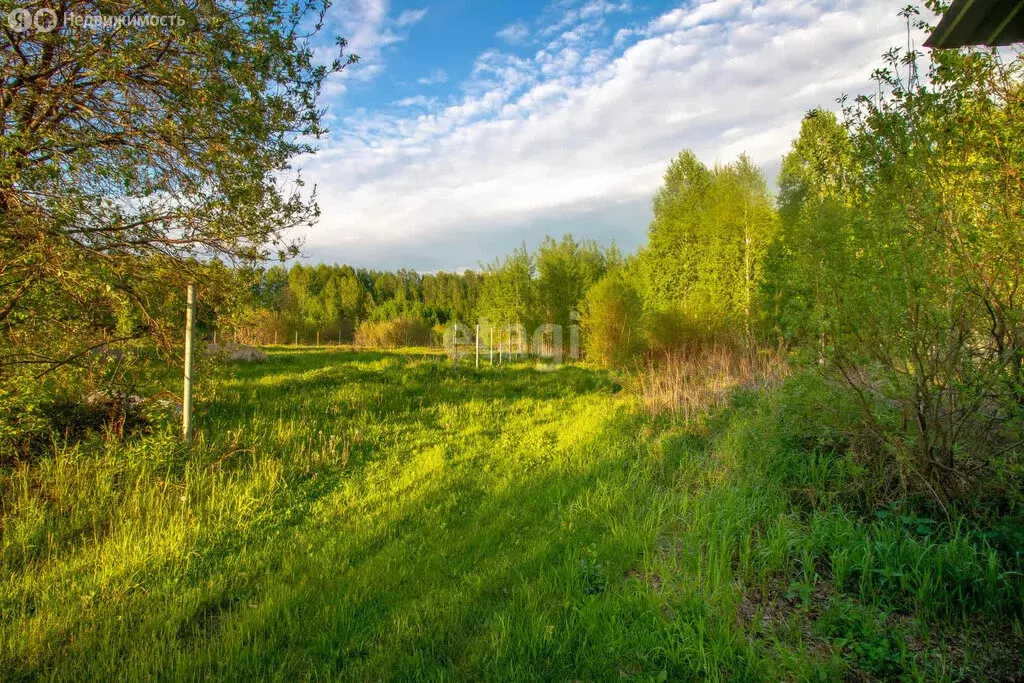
x: 410, y: 16
x: 515, y: 33
x: 705, y: 11
x: 434, y: 77
x: 572, y: 131
x: 416, y: 101
x: 370, y: 29
x: 593, y: 10
x: 596, y: 8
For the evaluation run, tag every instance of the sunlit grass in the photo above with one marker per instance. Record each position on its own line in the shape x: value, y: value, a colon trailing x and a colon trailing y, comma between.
x: 373, y: 515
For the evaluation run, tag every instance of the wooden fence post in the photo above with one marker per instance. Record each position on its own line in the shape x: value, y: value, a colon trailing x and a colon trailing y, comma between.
x: 455, y: 348
x: 186, y: 398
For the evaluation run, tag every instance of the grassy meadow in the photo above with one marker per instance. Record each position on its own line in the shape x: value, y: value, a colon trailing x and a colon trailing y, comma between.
x: 373, y: 516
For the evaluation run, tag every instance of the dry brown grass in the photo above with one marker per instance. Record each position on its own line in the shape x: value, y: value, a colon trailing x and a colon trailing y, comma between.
x: 692, y: 381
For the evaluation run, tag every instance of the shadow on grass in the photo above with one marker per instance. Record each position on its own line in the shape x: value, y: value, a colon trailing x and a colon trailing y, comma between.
x: 389, y: 383
x: 503, y: 559
x: 525, y: 581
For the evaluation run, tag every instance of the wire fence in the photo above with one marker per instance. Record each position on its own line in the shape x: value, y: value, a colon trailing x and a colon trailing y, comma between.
x: 480, y: 344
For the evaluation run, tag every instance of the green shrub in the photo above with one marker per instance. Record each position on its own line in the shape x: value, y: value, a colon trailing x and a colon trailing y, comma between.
x: 114, y: 392
x: 861, y: 634
x: 671, y: 330
x: 612, y: 321
x: 387, y: 334
x: 674, y: 329
x: 22, y: 418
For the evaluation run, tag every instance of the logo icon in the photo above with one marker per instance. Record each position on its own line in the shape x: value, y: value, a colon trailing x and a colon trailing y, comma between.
x: 20, y: 20
x: 45, y: 20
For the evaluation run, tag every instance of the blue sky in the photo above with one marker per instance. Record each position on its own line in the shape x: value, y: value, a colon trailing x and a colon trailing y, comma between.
x: 468, y: 128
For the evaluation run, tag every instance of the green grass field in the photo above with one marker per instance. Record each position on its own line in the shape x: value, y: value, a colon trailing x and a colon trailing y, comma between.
x: 357, y: 515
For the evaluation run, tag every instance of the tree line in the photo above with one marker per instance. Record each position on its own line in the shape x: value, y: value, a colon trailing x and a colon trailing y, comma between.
x: 525, y: 288
x: 287, y: 303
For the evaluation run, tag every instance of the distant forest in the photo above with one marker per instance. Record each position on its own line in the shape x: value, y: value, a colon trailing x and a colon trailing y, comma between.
x: 525, y: 288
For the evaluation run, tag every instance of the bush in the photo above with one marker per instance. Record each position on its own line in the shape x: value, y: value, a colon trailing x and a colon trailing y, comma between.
x: 675, y: 329
x: 670, y: 330
x: 404, y: 330
x: 913, y: 289
x: 613, y: 332
x: 23, y: 419
x: 34, y: 418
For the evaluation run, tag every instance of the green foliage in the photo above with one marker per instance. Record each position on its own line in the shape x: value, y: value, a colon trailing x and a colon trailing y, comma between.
x: 23, y: 419
x: 804, y: 263
x: 612, y: 322
x: 509, y: 293
x: 861, y: 634
x: 522, y: 292
x: 565, y: 271
x: 708, y: 242
x: 333, y: 300
x: 899, y: 253
x: 107, y: 393
x: 675, y: 329
x: 130, y: 158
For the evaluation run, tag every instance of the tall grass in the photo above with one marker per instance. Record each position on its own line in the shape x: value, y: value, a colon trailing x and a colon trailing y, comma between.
x: 693, y: 381
x: 376, y: 516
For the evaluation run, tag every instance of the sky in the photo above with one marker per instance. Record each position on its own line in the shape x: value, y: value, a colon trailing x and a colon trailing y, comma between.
x: 469, y: 128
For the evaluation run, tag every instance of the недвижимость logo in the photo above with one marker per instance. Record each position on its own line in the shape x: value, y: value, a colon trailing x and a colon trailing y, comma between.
x: 21, y: 20
x: 44, y: 20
